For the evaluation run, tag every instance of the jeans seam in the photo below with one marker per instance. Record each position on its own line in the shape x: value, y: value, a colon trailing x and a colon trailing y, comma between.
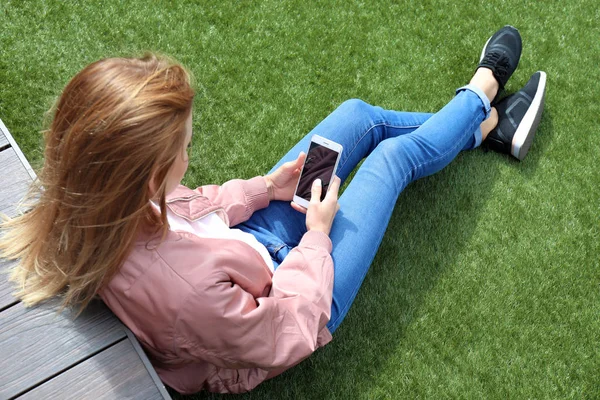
x: 277, y: 247
x: 486, y: 104
x: 373, y: 126
x: 277, y: 250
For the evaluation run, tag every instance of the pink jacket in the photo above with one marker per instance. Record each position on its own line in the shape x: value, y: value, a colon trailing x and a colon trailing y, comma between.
x: 209, y: 312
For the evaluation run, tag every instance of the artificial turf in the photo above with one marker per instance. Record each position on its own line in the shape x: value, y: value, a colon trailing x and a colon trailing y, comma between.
x: 486, y: 284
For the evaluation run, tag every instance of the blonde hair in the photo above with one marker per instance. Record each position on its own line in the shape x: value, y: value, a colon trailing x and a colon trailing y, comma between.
x: 118, y: 122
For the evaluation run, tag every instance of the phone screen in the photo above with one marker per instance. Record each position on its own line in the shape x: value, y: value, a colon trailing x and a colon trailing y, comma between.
x: 319, y: 163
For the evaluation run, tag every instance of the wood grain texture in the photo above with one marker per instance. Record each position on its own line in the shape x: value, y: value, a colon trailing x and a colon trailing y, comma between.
x: 6, y: 287
x: 147, y: 364
x: 14, y: 184
x: 50, y: 355
x: 38, y: 343
x: 15, y: 181
x: 3, y: 140
x: 115, y: 373
x: 16, y: 149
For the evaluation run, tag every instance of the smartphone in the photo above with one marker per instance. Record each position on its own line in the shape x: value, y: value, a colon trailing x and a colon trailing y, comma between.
x: 321, y: 162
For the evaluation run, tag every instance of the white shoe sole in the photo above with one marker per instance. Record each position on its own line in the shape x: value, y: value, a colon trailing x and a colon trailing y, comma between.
x: 526, y: 130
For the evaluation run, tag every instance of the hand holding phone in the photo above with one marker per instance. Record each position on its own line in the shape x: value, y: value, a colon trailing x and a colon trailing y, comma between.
x: 317, y: 191
x: 320, y: 214
x: 321, y: 163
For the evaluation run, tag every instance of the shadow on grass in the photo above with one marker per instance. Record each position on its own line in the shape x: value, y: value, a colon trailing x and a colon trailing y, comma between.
x: 433, y: 220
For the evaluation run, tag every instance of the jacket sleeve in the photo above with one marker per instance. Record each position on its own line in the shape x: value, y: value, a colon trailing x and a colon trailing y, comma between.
x: 239, y: 330
x: 240, y: 198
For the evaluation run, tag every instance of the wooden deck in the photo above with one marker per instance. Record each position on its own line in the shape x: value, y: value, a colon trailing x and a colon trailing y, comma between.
x: 46, y: 355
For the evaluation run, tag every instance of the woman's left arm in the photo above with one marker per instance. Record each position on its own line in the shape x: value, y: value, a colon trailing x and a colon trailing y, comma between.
x: 240, y: 198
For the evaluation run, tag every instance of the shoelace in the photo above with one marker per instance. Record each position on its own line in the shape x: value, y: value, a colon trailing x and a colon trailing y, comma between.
x: 500, y: 61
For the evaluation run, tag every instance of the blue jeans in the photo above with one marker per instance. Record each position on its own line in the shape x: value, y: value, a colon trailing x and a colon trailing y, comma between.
x: 399, y: 147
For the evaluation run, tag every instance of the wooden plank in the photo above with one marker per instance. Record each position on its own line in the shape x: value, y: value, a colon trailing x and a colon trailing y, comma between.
x: 6, y: 287
x: 3, y: 140
x: 14, y: 183
x: 115, y: 373
x: 147, y: 364
x: 17, y: 150
x: 38, y: 343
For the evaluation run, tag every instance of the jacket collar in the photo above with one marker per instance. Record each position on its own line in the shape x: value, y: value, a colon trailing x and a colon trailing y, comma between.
x: 187, y: 204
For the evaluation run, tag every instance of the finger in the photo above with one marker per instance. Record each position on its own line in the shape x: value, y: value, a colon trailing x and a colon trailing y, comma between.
x: 300, y: 159
x: 298, y: 207
x: 297, y: 163
x: 334, y: 188
x: 289, y: 165
x: 315, y: 192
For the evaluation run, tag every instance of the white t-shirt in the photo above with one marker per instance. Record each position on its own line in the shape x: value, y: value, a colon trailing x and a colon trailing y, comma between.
x: 211, y: 226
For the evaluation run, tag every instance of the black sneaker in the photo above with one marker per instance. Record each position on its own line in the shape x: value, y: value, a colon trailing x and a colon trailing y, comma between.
x: 518, y: 117
x: 501, y: 53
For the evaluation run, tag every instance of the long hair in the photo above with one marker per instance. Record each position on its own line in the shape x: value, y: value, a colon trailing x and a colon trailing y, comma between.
x: 118, y: 122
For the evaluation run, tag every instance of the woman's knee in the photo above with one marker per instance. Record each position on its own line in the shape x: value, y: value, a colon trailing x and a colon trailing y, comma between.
x: 348, y: 124
x: 356, y: 109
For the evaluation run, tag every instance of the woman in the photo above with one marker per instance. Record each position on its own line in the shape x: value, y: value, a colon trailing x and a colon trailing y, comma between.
x: 227, y: 286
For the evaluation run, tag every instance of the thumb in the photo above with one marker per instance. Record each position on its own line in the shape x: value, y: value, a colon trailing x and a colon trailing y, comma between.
x: 315, y: 193
x: 295, y: 164
x: 300, y: 159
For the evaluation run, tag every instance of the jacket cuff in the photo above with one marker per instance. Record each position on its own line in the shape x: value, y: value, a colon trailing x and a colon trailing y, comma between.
x: 316, y: 239
x: 257, y: 196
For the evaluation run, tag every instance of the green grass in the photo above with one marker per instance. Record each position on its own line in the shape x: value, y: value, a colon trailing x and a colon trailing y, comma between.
x: 487, y: 282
